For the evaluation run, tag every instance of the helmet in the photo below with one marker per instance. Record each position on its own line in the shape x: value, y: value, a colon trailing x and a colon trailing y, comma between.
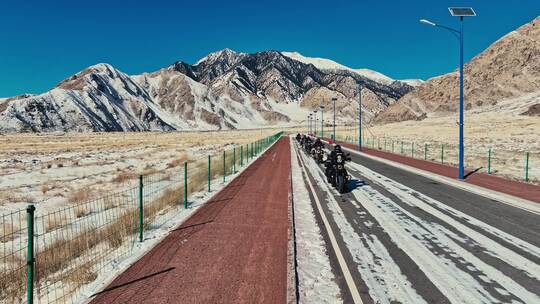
x: 337, y: 148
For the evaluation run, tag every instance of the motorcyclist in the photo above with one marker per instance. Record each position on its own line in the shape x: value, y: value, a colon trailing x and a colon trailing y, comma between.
x: 318, y: 143
x: 336, y: 158
x: 317, y: 149
x: 307, y: 143
x: 298, y: 137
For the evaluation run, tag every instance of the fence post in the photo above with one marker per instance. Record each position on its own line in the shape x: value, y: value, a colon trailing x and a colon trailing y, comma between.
x: 185, y: 185
x: 241, y: 155
x: 442, y: 153
x: 402, y: 147
x: 489, y: 161
x: 209, y: 173
x: 425, y: 151
x: 224, y: 172
x: 30, y: 258
x: 141, y: 222
x: 392, y: 146
x: 234, y: 159
x: 527, y: 167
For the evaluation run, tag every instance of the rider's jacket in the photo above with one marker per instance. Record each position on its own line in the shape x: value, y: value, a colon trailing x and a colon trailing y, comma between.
x: 318, y: 143
x: 337, y: 158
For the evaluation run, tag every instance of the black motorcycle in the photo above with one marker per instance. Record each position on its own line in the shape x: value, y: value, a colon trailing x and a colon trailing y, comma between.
x: 308, y: 145
x: 318, y: 154
x: 336, y: 173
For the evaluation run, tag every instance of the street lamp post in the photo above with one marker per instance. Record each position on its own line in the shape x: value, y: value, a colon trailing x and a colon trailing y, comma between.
x: 315, y: 122
x: 311, y: 124
x: 360, y: 117
x: 322, y: 121
x: 334, y: 125
x: 458, y: 12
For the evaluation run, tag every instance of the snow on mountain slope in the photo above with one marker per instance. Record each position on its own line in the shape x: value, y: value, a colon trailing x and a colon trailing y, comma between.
x: 98, y: 98
x: 327, y: 64
x: 413, y: 82
x: 320, y: 63
x: 224, y: 90
x: 376, y: 76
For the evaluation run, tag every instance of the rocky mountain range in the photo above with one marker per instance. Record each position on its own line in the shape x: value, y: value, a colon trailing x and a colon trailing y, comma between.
x: 224, y: 90
x: 231, y: 90
x: 505, y: 77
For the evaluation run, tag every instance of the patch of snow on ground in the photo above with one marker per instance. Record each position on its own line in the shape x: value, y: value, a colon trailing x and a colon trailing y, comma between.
x: 382, y: 275
x: 316, y: 280
x: 154, y: 235
x: 415, y: 236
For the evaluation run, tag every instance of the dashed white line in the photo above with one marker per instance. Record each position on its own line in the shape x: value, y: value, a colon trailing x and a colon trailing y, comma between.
x: 341, y: 260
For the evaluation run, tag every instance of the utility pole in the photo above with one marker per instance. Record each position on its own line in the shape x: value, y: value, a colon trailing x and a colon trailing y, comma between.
x: 360, y: 117
x: 334, y: 106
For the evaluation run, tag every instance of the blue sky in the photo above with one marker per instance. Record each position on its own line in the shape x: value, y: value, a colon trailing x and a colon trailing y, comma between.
x: 43, y: 42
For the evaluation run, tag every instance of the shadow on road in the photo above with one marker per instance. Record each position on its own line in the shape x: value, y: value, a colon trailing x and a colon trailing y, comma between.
x: 354, y: 183
x: 133, y: 281
x: 472, y: 172
x: 191, y: 226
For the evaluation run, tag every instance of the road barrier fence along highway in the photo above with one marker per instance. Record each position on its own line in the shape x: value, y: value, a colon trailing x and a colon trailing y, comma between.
x: 485, y: 162
x: 47, y: 255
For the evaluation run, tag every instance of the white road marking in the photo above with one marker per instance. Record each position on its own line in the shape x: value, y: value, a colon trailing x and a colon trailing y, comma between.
x: 427, y: 204
x: 341, y: 260
x: 502, y: 198
x: 382, y: 275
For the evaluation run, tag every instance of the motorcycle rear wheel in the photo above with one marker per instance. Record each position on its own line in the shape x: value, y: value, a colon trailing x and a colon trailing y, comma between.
x: 341, y: 184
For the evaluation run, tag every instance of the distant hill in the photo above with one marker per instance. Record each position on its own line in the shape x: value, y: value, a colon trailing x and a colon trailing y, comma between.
x: 505, y: 77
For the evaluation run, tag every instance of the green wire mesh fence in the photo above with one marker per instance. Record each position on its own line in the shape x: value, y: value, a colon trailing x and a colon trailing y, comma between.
x: 68, y: 248
x: 512, y: 164
x: 14, y: 246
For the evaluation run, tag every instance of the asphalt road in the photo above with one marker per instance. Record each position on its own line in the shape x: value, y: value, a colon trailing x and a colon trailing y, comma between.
x: 409, y: 239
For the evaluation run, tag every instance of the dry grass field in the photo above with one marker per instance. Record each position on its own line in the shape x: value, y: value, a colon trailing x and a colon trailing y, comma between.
x: 508, y: 136
x: 53, y: 170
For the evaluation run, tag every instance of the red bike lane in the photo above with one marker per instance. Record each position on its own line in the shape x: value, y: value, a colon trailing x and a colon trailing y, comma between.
x: 232, y: 250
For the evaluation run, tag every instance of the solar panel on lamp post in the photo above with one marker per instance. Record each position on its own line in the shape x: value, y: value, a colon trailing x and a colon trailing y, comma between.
x: 458, y: 12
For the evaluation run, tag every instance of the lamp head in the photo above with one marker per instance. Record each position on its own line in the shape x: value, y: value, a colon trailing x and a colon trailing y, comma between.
x: 427, y: 22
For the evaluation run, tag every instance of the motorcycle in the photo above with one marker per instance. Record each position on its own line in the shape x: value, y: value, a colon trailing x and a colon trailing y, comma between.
x: 319, y: 154
x: 307, y: 145
x: 337, y: 174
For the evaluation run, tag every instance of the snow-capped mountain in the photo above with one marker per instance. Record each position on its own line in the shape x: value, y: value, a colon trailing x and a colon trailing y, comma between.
x: 329, y: 65
x: 224, y: 89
